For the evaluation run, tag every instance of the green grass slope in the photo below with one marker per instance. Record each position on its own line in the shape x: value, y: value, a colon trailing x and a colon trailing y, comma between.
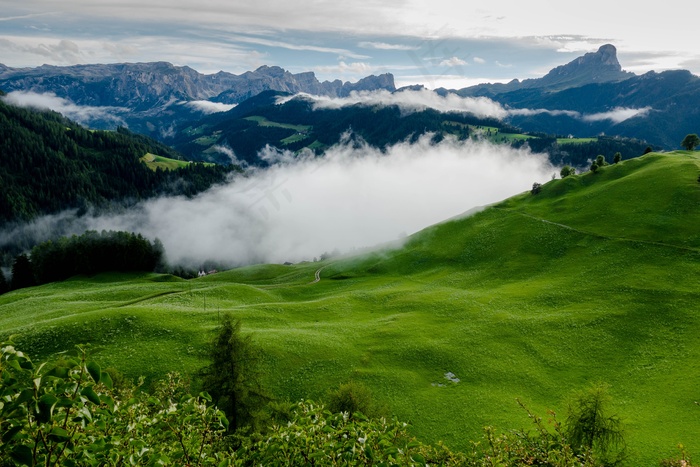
x: 594, y: 279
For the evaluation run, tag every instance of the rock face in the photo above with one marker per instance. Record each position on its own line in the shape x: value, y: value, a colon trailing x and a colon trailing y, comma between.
x: 140, y: 86
x: 596, y: 67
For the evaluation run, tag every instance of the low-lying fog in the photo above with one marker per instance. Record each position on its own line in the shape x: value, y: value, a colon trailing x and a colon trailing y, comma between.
x: 353, y: 197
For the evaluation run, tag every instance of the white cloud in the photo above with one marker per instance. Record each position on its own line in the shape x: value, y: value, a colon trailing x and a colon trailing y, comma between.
x: 300, y: 47
x: 385, y: 46
x: 411, y: 101
x: 617, y: 115
x: 479, y: 60
x: 453, y: 61
x: 353, y: 197
x: 63, y: 51
x: 357, y: 68
x: 49, y: 101
x: 414, y: 101
x: 209, y: 107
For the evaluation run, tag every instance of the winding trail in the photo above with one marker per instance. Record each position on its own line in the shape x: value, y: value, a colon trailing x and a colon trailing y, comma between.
x: 317, y: 275
x: 608, y: 237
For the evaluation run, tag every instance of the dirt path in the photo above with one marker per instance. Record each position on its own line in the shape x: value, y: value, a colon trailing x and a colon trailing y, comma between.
x: 608, y: 237
x: 317, y: 275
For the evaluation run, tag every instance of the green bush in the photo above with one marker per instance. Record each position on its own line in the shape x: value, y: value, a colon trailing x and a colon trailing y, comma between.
x: 352, y: 398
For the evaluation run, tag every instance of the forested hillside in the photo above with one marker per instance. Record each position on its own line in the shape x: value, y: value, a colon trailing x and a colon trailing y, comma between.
x: 260, y: 122
x: 49, y: 163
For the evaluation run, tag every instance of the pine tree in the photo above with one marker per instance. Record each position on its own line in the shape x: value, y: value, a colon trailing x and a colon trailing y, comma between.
x: 232, y: 377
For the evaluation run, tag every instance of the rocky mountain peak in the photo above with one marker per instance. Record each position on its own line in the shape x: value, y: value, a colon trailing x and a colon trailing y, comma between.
x: 601, y: 66
x: 605, y: 56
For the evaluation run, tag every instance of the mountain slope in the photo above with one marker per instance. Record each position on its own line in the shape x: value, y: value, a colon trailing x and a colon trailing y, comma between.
x: 593, y: 279
x: 151, y: 98
x: 601, y: 66
x: 141, y: 86
x: 48, y: 164
x: 295, y: 125
x: 593, y: 85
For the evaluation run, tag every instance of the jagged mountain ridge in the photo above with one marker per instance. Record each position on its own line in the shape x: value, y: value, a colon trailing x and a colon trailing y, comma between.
x: 601, y: 66
x: 144, y: 85
x: 596, y: 84
x: 149, y: 97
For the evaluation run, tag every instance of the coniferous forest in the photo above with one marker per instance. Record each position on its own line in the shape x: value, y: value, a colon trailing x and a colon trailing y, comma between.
x: 51, y: 164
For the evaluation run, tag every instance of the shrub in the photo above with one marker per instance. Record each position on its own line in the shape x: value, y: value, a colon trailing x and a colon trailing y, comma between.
x: 354, y: 397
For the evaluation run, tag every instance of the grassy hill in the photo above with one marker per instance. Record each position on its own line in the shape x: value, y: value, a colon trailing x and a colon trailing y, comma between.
x: 593, y: 279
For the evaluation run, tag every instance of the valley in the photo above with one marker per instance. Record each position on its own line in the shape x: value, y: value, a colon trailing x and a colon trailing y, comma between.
x: 592, y: 279
x: 264, y: 194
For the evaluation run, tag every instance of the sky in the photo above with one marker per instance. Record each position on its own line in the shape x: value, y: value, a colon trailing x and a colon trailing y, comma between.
x: 441, y: 43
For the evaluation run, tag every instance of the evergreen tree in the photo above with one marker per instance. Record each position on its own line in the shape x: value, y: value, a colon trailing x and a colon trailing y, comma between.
x: 591, y: 428
x: 232, y: 377
x: 4, y: 286
x: 22, y: 273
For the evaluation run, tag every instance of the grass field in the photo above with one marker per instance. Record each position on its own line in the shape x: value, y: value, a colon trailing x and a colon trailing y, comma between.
x: 575, y: 140
x: 594, y: 279
x: 154, y: 162
x: 262, y: 121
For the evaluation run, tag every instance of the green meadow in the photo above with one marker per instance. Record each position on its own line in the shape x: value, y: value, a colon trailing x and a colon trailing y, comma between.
x: 155, y: 162
x: 262, y: 121
x: 593, y: 279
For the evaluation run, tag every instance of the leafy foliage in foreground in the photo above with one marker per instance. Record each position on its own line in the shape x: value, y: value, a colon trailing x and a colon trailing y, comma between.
x: 68, y: 413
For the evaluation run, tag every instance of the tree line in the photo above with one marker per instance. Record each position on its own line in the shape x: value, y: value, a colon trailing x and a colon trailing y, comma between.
x: 90, y: 253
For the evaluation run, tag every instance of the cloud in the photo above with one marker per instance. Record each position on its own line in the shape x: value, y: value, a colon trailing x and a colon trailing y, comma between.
x: 300, y: 47
x: 62, y: 51
x: 616, y: 115
x: 453, y: 61
x: 479, y: 60
x: 410, y: 100
x: 209, y: 107
x: 226, y: 150
x: 385, y: 46
x: 80, y: 113
x: 414, y: 101
x: 343, y: 68
x: 353, y: 197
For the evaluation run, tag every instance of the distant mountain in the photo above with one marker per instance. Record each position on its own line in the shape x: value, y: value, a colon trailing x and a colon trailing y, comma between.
x: 596, y: 67
x: 149, y: 97
x: 140, y: 86
x: 590, y: 95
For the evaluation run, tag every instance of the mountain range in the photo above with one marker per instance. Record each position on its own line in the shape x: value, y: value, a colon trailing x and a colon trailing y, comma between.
x: 143, y: 86
x: 589, y: 96
x: 595, y: 84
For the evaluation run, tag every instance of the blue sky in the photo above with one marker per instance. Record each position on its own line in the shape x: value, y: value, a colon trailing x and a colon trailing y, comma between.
x: 438, y: 43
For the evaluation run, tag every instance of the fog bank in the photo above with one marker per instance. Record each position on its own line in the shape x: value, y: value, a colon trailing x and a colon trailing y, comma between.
x: 354, y: 196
